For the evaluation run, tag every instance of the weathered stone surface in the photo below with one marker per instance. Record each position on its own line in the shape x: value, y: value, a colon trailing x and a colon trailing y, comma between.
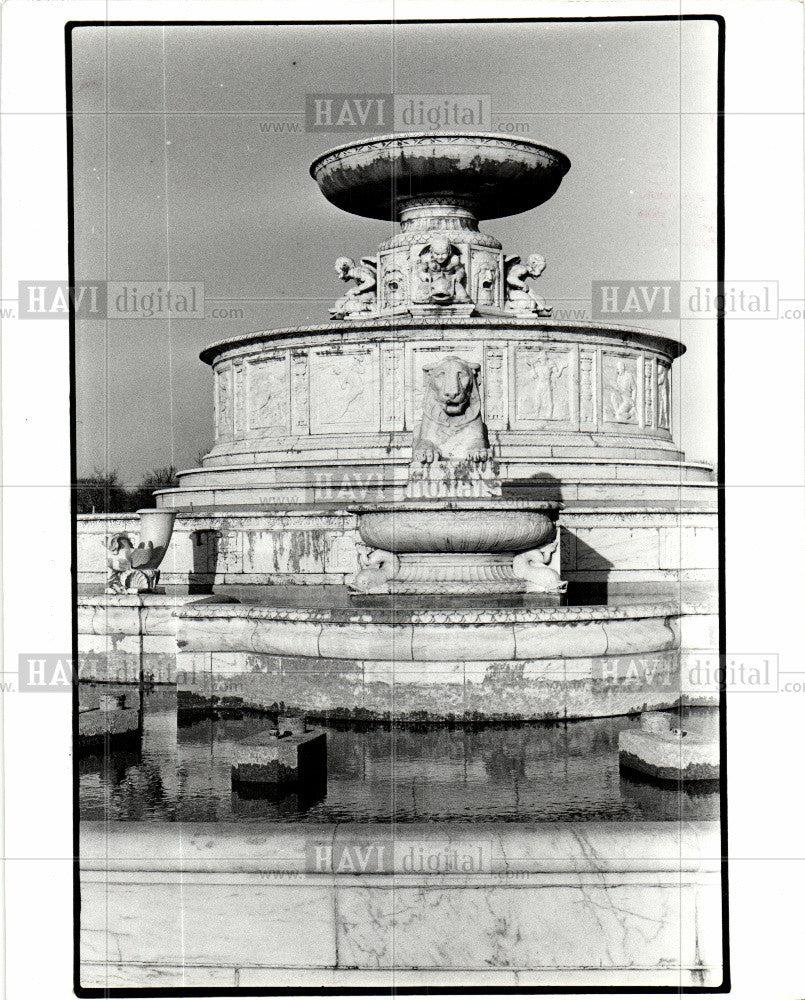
x: 512, y: 174
x: 458, y: 526
x: 656, y: 722
x: 550, y: 640
x: 556, y: 660
x: 638, y: 541
x: 634, y: 902
x: 639, y: 636
x: 365, y: 640
x: 669, y: 755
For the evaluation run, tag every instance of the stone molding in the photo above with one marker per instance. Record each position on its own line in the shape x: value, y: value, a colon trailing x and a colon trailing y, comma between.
x: 428, y: 139
x: 464, y: 616
x: 592, y: 847
x: 411, y: 328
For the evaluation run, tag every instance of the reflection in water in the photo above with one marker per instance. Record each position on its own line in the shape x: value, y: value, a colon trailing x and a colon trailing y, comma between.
x: 670, y: 799
x: 536, y: 772
x: 256, y: 802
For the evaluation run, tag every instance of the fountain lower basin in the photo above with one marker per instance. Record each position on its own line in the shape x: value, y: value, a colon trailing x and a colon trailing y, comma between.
x: 505, y: 663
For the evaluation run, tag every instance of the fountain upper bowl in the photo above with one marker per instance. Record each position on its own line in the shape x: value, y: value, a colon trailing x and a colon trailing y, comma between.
x: 496, y: 175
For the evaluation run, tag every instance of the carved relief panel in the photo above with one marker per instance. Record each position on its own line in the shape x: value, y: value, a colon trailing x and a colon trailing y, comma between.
x: 456, y: 273
x: 588, y: 391
x: 223, y: 404
x: 543, y: 384
x: 621, y: 388
x: 393, y: 284
x: 494, y: 389
x: 269, y: 395
x: 300, y: 392
x: 392, y: 381
x: 486, y: 277
x: 649, y: 381
x: 438, y: 271
x: 238, y: 399
x: 663, y: 396
x: 344, y: 394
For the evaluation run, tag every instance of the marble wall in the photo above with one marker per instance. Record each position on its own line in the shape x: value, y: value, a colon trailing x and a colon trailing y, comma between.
x: 581, y: 411
x: 377, y: 386
x: 311, y: 547
x: 577, y: 904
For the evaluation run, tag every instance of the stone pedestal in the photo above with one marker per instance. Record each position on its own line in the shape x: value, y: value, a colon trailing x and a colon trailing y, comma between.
x: 457, y: 573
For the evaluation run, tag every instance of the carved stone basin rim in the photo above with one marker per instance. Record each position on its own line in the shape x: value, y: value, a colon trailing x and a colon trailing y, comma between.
x: 457, y: 525
x: 499, y: 175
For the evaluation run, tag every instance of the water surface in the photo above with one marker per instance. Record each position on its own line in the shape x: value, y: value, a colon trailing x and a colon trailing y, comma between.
x: 531, y: 772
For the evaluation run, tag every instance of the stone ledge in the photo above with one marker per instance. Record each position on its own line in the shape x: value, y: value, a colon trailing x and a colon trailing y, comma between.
x: 614, y: 903
x: 122, y: 974
x: 472, y: 616
x: 413, y: 326
x: 256, y: 848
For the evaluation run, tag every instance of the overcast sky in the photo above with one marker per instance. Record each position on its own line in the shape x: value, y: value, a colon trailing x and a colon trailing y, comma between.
x: 175, y: 178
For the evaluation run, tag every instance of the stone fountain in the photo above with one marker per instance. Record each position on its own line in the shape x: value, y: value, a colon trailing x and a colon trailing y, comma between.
x: 397, y: 498
x: 324, y: 413
x: 397, y: 460
x: 454, y: 534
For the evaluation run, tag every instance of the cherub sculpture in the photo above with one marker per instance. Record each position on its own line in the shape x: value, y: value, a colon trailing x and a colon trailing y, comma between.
x: 132, y: 570
x: 440, y: 272
x: 362, y: 299
x: 519, y: 297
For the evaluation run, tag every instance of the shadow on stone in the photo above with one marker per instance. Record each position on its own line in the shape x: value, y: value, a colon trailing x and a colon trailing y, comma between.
x: 542, y: 486
x: 205, y: 561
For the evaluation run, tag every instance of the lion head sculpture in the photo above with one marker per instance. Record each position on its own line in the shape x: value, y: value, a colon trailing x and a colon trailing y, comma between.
x: 452, y: 384
x: 451, y: 424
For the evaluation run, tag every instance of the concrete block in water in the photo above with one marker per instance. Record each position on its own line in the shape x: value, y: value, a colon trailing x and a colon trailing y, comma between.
x: 97, y: 724
x: 672, y: 754
x: 111, y: 702
x: 271, y: 759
